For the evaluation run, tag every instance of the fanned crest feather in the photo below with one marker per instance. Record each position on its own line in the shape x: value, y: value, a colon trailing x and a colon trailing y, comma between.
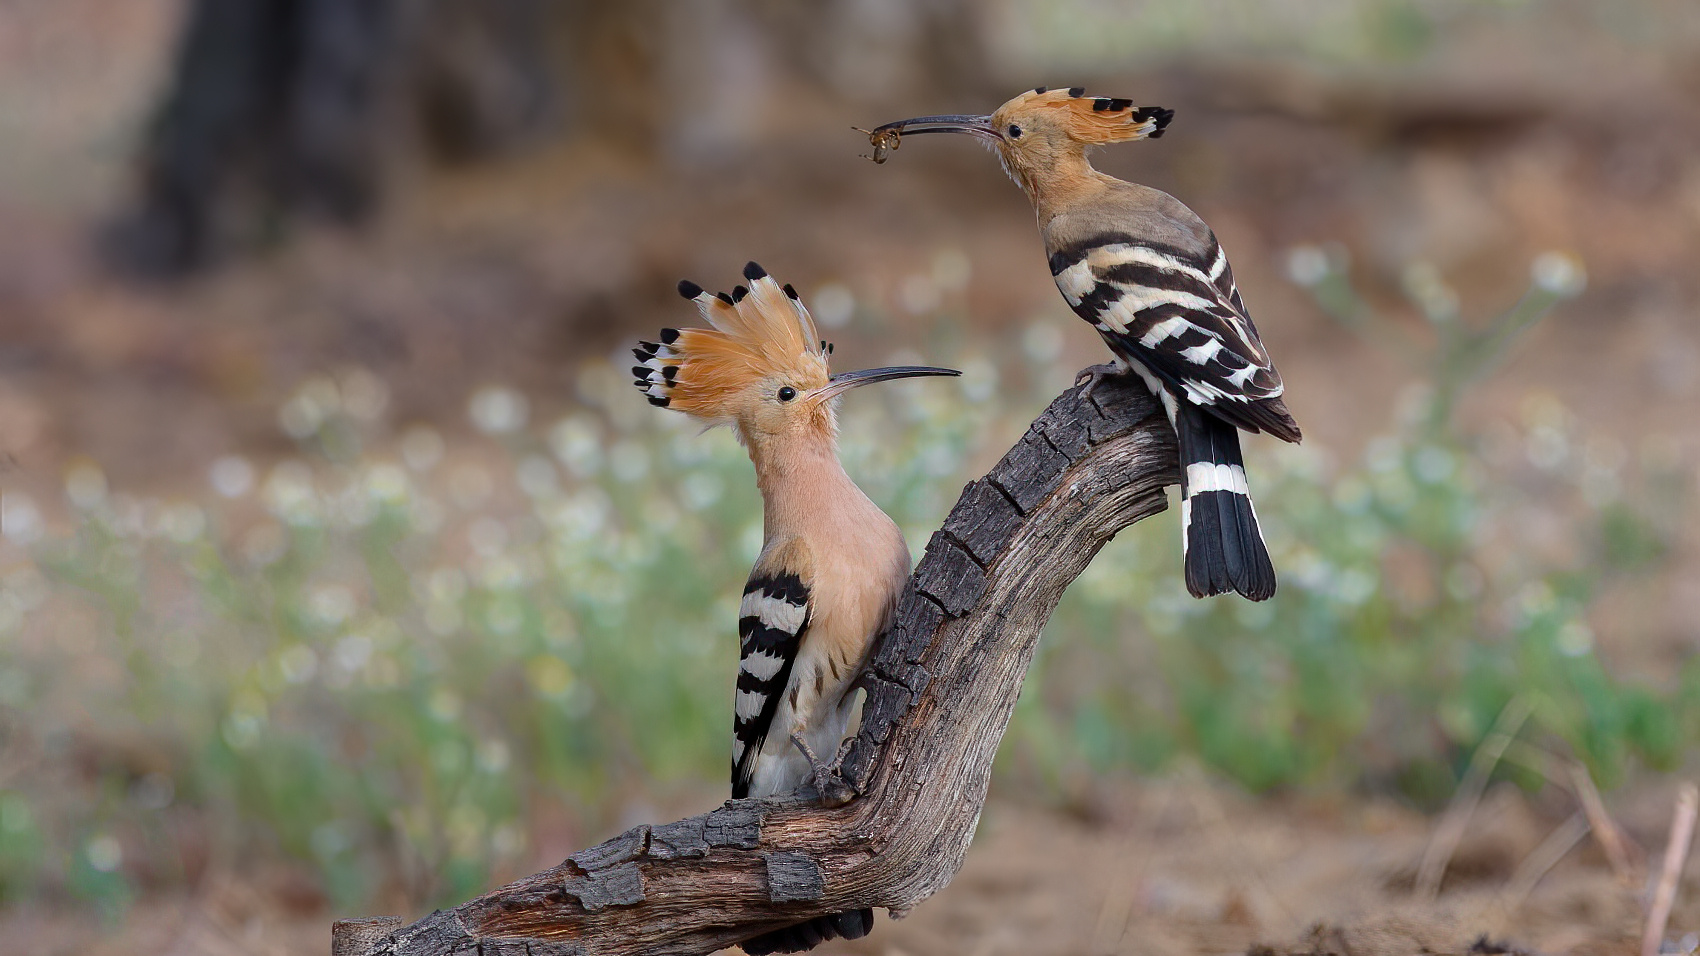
x: 756, y: 333
x: 1090, y: 119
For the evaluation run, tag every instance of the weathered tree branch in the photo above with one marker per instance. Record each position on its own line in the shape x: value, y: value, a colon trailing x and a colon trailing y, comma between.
x: 940, y: 692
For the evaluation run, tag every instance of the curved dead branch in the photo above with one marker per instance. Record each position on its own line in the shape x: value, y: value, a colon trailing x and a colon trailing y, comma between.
x: 941, y: 688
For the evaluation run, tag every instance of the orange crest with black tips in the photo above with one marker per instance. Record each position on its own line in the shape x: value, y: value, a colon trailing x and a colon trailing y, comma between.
x: 1088, y: 119
x: 760, y: 334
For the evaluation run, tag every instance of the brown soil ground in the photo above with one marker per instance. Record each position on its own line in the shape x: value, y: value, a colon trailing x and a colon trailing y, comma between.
x: 1177, y: 867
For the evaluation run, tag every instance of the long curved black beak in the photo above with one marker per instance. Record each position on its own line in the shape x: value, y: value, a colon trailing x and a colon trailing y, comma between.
x: 845, y: 381
x: 973, y: 125
x: 948, y: 123
x: 888, y: 137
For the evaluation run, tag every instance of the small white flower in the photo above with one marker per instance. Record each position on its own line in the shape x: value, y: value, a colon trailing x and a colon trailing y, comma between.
x: 918, y: 294
x: 364, y: 395
x: 498, y: 411
x: 1042, y: 341
x: 700, y: 489
x: 1574, y: 639
x: 833, y: 306
x: 387, y: 483
x: 508, y: 840
x: 331, y: 604
x: 104, y: 853
x: 1354, y: 586
x: 288, y: 490
x: 298, y: 663
x: 85, y: 485
x: 353, y: 651
x: 305, y: 411
x: 1546, y: 447
x: 1426, y: 287
x: 1307, y: 265
x: 537, y: 478
x: 493, y: 756
x: 231, y: 476
x: 1433, y: 464
x: 952, y: 269
x: 242, y: 730
x: 577, y: 444
x: 182, y: 522
x: 979, y: 380
x: 1558, y: 273
x: 19, y: 519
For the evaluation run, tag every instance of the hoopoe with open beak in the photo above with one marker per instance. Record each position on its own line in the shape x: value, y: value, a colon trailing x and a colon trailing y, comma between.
x: 831, y: 564
x: 1151, y: 278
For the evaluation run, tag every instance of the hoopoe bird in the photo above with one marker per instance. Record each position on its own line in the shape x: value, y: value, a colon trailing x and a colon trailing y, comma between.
x: 1151, y: 278
x: 831, y: 564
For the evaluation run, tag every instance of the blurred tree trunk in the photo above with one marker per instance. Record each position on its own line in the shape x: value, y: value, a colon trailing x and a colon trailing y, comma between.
x: 279, y: 110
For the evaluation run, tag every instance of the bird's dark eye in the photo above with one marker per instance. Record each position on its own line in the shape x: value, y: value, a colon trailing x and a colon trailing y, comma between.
x: 786, y: 393
x: 1014, y: 131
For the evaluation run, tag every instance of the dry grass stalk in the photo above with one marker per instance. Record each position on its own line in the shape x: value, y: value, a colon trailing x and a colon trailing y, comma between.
x: 1544, y: 858
x: 1606, y: 831
x: 1623, y: 855
x: 1441, y: 846
x: 1676, y: 851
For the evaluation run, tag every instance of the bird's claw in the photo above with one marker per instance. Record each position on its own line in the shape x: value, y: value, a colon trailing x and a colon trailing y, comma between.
x: 832, y: 790
x: 1093, y: 375
x: 843, y: 751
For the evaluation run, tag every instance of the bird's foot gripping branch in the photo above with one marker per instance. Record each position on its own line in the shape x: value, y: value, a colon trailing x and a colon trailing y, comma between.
x: 941, y: 687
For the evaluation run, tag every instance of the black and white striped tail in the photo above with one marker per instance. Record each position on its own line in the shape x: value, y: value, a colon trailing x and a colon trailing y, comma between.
x: 806, y: 936
x: 1224, y: 548
x: 772, y: 618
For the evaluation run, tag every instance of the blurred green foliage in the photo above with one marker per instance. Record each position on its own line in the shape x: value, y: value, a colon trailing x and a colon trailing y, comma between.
x: 388, y: 658
x: 378, y: 655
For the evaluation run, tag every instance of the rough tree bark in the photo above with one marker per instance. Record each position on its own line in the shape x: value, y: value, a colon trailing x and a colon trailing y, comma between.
x: 940, y: 691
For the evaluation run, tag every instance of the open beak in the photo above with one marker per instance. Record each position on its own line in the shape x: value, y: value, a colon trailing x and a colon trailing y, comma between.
x: 888, y: 137
x: 845, y: 381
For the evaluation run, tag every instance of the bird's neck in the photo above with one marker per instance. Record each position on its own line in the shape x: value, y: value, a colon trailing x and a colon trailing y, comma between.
x: 1066, y: 183
x: 803, y: 485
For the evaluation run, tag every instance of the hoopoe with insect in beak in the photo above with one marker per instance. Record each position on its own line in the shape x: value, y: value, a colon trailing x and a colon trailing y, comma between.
x: 1151, y: 278
x: 831, y: 564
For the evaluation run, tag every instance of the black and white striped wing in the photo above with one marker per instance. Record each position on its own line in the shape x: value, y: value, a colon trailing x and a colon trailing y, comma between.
x: 772, y: 620
x: 1179, y: 316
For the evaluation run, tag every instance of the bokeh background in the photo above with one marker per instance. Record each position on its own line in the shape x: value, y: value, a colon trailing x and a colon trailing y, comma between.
x: 343, y: 573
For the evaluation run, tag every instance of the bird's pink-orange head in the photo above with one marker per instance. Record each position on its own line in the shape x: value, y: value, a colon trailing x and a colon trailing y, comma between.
x: 1036, y: 131
x: 761, y: 367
